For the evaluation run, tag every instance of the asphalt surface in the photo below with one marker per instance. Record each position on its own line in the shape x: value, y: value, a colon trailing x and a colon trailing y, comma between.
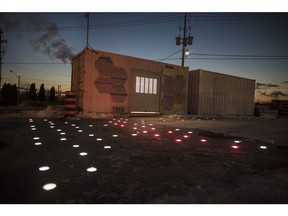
x: 135, y: 160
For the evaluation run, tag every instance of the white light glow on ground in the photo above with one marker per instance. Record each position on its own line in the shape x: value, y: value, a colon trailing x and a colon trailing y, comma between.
x: 59, y: 130
x: 73, y: 125
x: 36, y: 138
x: 33, y: 129
x: 177, y: 129
x: 49, y: 186
x: 77, y: 127
x: 134, y: 134
x: 99, y: 139
x: 91, y: 169
x: 62, y: 133
x: 63, y: 139
x: 52, y: 126
x: 235, y: 146
x: 115, y: 135
x: 44, y: 168
x: 178, y: 140
x: 91, y: 135
x: 237, y: 141
x: 203, y: 140
x: 263, y: 147
x: 75, y: 146
x: 45, y: 120
x: 32, y: 126
x: 90, y: 125
x: 80, y: 131
x: 66, y: 123
x: 107, y: 147
x: 105, y: 125
x: 190, y: 132
x: 83, y: 153
x: 38, y: 143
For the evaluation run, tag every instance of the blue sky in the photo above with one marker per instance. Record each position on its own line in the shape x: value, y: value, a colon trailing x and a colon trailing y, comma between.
x: 248, y: 45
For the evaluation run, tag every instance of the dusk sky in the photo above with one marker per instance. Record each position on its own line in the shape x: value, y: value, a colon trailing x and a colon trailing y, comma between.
x: 250, y: 45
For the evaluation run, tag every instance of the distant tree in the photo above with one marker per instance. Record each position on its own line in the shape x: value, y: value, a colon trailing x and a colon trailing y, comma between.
x: 32, y: 92
x: 14, y: 94
x: 9, y: 94
x: 52, y: 94
x: 4, y: 91
x: 42, y: 96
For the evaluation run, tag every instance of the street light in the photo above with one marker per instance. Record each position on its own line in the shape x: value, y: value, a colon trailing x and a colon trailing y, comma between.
x: 18, y: 79
x: 18, y: 88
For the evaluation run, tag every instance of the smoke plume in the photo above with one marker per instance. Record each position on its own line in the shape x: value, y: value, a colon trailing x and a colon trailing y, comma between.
x: 51, y: 43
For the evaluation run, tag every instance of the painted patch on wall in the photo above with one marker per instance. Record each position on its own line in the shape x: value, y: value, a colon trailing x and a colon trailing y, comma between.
x: 173, y: 90
x: 111, y: 79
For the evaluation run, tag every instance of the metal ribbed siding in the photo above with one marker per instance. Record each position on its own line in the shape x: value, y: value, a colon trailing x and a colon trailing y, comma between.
x: 212, y: 93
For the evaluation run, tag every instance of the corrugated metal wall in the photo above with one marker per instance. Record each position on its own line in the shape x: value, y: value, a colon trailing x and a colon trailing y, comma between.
x: 213, y: 93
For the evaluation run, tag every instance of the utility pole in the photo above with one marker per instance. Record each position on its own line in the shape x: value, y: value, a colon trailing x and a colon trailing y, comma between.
x: 2, y: 51
x: 184, y: 41
x: 87, y: 33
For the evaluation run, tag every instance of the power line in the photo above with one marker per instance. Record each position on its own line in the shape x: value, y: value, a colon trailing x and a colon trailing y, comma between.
x: 161, y: 19
x: 135, y: 22
x: 38, y: 71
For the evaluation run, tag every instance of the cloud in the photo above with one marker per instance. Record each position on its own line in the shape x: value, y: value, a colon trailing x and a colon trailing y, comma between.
x: 274, y: 94
x: 266, y: 85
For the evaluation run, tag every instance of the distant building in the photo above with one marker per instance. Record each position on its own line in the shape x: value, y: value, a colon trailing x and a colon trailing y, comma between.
x: 105, y: 82
x: 213, y: 93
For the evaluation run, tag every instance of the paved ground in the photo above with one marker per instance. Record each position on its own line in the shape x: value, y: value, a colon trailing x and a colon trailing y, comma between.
x: 137, y: 160
x: 266, y: 129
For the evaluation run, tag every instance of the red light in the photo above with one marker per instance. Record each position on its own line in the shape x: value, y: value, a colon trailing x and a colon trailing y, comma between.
x: 153, y: 128
x: 186, y: 136
x: 145, y: 132
x: 170, y: 132
x: 203, y: 140
x: 235, y: 146
x: 115, y: 123
x: 157, y: 135
x: 122, y: 125
x: 178, y: 140
x: 134, y: 128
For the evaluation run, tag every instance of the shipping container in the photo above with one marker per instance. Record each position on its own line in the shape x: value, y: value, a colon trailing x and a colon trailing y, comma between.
x: 212, y: 93
x: 105, y: 81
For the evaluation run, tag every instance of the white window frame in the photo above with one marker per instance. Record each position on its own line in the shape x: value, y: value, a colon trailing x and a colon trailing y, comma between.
x: 146, y: 85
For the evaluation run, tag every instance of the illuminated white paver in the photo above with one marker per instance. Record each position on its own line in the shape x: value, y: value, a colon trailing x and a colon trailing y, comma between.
x: 49, y: 186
